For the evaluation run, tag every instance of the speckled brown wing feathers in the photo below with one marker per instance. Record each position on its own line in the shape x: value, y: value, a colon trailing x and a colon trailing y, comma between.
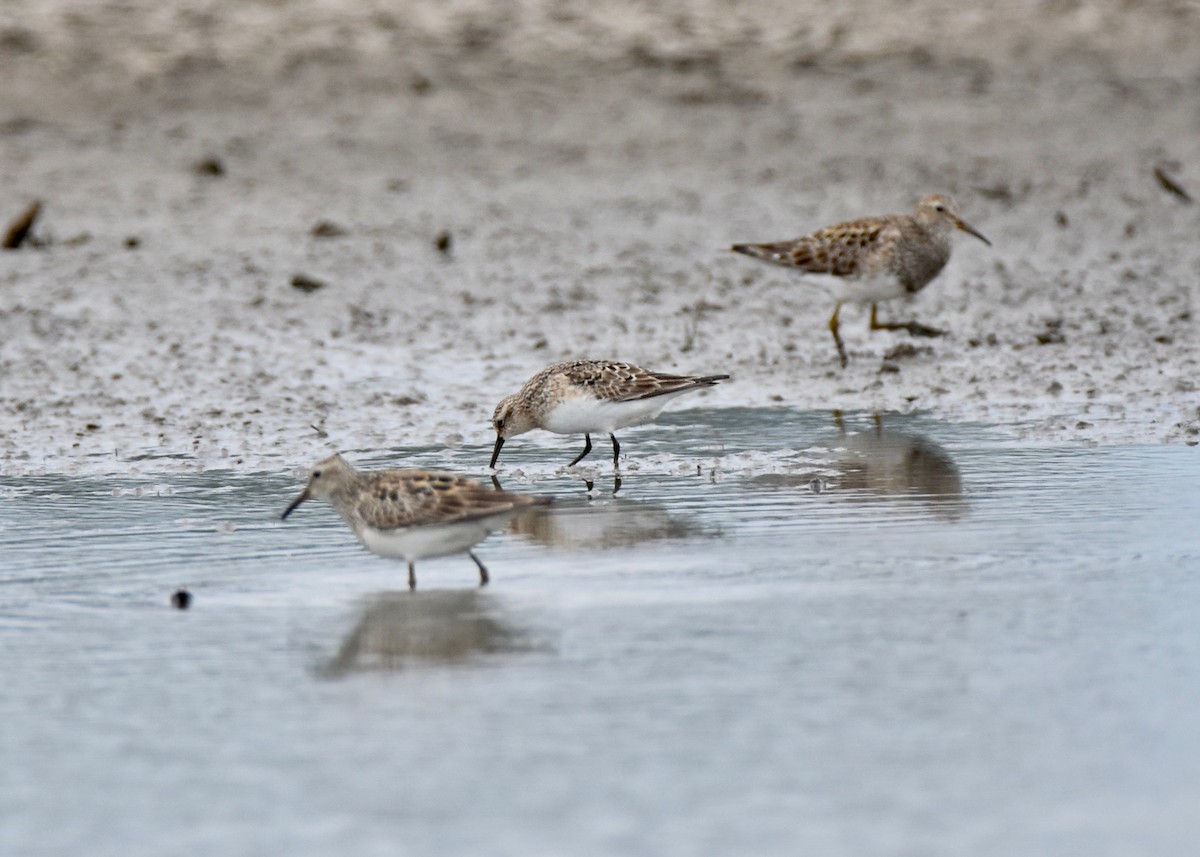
x: 855, y: 249
x: 624, y: 382
x: 400, y: 499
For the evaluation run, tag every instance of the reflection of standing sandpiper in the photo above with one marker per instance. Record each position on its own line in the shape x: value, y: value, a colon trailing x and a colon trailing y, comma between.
x: 412, y: 514
x: 585, y: 396
x: 874, y: 259
x: 882, y: 464
x: 603, y: 525
x: 441, y: 627
x: 888, y: 463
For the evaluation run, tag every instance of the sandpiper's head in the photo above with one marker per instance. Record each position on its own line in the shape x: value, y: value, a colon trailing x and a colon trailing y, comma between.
x: 939, y: 212
x: 510, y: 418
x: 324, y: 479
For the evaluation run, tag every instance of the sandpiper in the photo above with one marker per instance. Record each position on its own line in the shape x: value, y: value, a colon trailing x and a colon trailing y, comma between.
x: 874, y: 259
x: 590, y: 396
x: 412, y: 514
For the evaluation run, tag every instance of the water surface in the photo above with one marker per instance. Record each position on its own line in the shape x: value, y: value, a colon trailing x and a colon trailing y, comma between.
x: 781, y: 636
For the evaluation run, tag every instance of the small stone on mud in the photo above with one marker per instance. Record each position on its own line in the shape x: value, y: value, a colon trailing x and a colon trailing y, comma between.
x: 905, y: 351
x: 328, y: 229
x: 420, y: 84
x: 999, y: 192
x: 307, y: 284
x: 1053, y: 334
x: 210, y: 166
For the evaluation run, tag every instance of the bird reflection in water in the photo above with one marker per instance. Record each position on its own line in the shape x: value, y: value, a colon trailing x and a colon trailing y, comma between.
x: 887, y: 463
x: 604, y: 524
x: 880, y: 463
x: 436, y: 628
x: 589, y: 484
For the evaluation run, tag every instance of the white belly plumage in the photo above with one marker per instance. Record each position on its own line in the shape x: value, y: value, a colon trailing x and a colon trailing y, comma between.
x: 583, y: 414
x: 861, y: 291
x: 414, y: 543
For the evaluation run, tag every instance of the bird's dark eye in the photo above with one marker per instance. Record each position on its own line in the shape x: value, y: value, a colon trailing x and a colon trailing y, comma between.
x: 316, y: 474
x: 939, y: 207
x: 500, y: 423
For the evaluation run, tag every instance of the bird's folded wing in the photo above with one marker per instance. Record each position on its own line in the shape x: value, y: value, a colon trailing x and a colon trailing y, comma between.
x: 419, y: 499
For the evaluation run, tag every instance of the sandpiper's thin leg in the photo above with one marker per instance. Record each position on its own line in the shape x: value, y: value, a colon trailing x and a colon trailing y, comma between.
x: 616, y: 449
x: 412, y: 577
x: 833, y: 328
x: 616, y: 484
x: 914, y: 328
x: 483, y: 575
x: 587, y: 447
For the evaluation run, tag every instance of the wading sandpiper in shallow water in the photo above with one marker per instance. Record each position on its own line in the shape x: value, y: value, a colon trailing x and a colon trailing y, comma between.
x: 585, y: 396
x: 412, y: 514
x: 874, y: 259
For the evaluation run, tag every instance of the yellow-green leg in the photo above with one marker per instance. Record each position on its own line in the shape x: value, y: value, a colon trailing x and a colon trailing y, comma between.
x: 913, y: 328
x: 837, y: 339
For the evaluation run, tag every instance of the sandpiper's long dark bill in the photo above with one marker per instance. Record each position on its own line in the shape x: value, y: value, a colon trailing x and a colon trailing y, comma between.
x: 586, y: 396
x: 292, y: 505
x: 971, y: 230
x: 412, y: 514
x: 874, y: 259
x: 496, y: 450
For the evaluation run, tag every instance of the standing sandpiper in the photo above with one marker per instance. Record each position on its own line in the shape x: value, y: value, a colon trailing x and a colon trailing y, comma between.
x: 874, y: 259
x: 590, y: 396
x: 412, y: 514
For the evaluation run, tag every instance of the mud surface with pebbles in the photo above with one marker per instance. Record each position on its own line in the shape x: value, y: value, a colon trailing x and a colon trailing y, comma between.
x: 272, y: 230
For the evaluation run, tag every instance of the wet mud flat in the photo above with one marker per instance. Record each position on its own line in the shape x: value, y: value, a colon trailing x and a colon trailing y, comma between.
x: 223, y: 261
x: 831, y: 633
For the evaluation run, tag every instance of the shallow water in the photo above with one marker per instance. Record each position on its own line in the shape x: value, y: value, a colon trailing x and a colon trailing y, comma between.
x: 779, y: 637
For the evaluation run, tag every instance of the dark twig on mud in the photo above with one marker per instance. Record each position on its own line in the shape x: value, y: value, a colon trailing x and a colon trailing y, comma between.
x: 1170, y: 185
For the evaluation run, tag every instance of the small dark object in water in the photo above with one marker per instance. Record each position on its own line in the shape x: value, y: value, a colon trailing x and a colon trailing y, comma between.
x: 181, y: 599
x: 1170, y: 186
x: 19, y: 229
x: 444, y: 242
x: 306, y: 284
x: 133, y: 242
x: 210, y: 166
